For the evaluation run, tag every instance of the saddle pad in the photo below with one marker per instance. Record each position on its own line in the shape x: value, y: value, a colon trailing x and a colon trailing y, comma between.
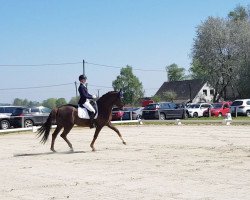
x: 83, y: 113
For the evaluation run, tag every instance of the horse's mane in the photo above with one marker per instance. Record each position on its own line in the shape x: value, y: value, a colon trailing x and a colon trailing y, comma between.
x: 73, y: 105
x: 103, y: 97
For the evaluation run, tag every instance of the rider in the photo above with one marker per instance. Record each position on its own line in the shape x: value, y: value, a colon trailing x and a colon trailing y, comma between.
x: 84, y: 99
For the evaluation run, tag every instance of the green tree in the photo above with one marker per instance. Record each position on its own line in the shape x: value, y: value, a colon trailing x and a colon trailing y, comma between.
x: 156, y: 98
x: 33, y: 103
x: 240, y: 13
x: 197, y: 71
x: 175, y: 73
x: 18, y: 102
x: 216, y: 52
x: 130, y: 85
x: 169, y: 96
x: 221, y: 53
x: 60, y: 102
x: 74, y: 100
x: 50, y: 103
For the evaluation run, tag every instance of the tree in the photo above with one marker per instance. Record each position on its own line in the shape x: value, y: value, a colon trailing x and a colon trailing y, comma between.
x: 175, y: 73
x: 50, y: 103
x: 130, y: 85
x: 25, y: 102
x: 240, y: 13
x: 216, y: 53
x: 18, y: 102
x: 196, y: 70
x: 169, y: 96
x: 221, y: 53
x: 60, y: 102
x: 74, y: 100
x: 156, y: 98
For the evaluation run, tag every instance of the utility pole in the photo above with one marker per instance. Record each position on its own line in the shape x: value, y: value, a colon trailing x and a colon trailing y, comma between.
x: 98, y: 93
x: 83, y: 70
x: 83, y: 67
x: 76, y: 87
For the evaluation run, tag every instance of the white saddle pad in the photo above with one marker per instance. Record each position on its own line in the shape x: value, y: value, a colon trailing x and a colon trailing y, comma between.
x: 83, y: 113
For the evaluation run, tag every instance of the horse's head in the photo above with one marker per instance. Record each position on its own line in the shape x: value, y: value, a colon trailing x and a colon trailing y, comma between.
x: 118, y: 100
x: 112, y: 98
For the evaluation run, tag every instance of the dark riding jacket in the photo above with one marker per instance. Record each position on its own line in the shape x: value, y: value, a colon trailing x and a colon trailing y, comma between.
x: 83, y: 91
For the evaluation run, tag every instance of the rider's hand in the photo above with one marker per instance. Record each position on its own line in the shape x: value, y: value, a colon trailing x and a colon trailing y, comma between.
x: 94, y: 96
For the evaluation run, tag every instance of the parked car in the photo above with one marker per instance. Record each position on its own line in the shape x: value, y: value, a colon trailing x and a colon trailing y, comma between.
x: 218, y: 109
x: 241, y: 107
x: 117, y: 114
x: 5, y: 112
x: 164, y: 110
x: 27, y: 117
x: 197, y: 109
x: 132, y: 113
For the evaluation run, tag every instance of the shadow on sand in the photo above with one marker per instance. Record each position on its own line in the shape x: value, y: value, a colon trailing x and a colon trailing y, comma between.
x: 47, y: 153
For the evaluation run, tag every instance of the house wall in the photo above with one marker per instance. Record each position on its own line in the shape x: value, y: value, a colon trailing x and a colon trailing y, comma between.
x: 205, y: 94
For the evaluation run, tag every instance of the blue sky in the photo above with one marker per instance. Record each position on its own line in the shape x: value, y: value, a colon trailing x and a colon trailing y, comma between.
x: 146, y: 34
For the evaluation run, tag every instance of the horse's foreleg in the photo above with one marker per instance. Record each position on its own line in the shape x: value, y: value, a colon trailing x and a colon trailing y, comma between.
x: 117, y: 131
x: 64, y: 136
x: 97, y: 131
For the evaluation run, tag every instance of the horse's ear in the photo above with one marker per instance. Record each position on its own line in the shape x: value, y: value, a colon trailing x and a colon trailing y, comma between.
x: 120, y: 94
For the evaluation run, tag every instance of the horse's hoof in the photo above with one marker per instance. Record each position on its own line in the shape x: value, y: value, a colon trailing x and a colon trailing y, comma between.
x: 124, y: 143
x: 93, y: 150
x: 71, y: 150
x: 53, y: 150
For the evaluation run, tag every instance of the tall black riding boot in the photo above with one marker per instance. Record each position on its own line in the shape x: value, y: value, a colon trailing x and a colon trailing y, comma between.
x: 91, y: 119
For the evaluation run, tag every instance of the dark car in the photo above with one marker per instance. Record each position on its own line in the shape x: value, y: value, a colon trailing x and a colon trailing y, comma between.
x: 117, y: 114
x: 164, y: 110
x: 132, y: 113
x: 27, y: 117
x: 5, y: 112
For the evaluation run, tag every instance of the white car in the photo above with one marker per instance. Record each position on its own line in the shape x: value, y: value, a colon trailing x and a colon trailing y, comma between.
x: 197, y: 109
x: 241, y: 107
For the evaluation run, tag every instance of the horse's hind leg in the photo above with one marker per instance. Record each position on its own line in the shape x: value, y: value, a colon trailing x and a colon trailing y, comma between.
x: 117, y: 131
x: 64, y: 136
x: 54, y: 135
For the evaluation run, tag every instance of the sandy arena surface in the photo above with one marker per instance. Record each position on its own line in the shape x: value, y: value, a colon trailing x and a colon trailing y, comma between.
x: 158, y: 162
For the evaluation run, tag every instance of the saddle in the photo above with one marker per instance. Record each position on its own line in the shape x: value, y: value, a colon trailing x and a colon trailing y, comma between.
x: 84, y: 112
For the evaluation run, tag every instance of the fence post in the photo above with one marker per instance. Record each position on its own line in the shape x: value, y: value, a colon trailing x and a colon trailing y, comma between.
x: 22, y: 120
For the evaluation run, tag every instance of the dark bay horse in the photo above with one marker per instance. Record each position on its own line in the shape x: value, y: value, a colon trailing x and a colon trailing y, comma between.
x: 65, y: 117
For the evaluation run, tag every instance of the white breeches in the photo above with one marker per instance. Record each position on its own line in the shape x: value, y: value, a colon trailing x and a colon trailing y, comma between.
x: 89, y: 106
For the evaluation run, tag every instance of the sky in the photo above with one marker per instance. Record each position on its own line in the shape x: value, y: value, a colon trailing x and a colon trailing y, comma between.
x: 44, y: 42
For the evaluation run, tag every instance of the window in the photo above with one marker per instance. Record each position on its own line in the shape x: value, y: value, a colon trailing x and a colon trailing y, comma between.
x: 1, y: 110
x: 211, y: 92
x: 248, y: 102
x: 205, y: 92
x: 9, y: 109
x: 172, y: 106
x: 165, y: 106
x: 34, y: 110
x: 46, y: 110
x: 237, y: 103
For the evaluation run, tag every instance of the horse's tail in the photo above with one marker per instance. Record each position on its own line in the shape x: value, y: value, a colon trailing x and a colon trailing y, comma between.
x: 45, y: 128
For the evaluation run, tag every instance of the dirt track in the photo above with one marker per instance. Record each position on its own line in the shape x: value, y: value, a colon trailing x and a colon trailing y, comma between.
x: 158, y: 162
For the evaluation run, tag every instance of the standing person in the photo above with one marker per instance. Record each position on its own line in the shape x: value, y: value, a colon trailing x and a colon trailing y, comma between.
x: 84, y: 99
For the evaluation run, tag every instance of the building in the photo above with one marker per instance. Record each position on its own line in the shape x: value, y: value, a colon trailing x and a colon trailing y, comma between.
x: 188, y: 91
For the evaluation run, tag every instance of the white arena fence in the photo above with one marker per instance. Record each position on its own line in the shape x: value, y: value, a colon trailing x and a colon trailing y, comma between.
x: 34, y: 128
x: 225, y: 121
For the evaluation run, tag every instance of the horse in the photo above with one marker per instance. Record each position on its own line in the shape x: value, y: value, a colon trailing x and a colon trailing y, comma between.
x: 66, y: 116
